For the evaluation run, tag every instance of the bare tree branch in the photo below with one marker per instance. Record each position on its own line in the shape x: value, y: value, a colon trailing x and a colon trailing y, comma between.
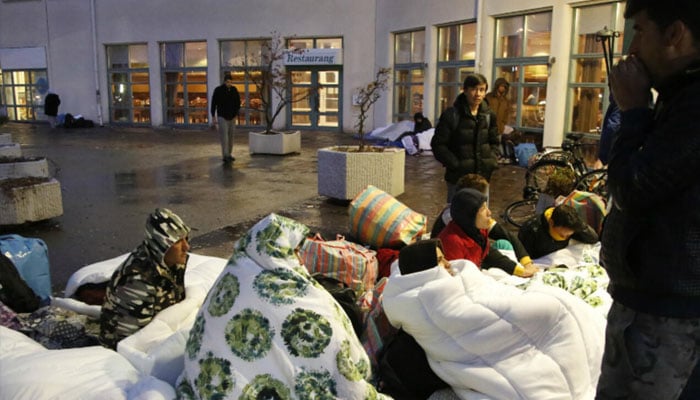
x: 274, y: 81
x: 367, y: 96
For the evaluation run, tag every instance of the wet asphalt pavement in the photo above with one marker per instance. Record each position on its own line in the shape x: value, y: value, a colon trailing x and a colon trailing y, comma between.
x: 112, y: 178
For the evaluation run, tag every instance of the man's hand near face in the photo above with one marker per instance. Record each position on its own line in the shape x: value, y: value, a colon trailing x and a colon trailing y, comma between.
x: 630, y: 84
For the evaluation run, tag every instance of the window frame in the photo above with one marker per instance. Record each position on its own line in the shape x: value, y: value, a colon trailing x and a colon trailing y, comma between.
x: 403, y: 108
x: 518, y: 65
x: 615, y: 23
x: 128, y: 107
x: 199, y: 113
x: 35, y: 91
x: 462, y: 66
x: 249, y: 116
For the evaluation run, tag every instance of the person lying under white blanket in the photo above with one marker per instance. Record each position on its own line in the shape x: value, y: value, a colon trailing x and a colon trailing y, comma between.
x: 485, y: 336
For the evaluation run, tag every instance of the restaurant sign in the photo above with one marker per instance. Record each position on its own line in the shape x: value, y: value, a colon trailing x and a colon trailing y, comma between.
x: 314, y: 57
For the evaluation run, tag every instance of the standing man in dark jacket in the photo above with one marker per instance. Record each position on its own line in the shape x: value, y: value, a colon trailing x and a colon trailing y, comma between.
x: 225, y: 104
x: 466, y: 136
x: 51, y: 103
x: 651, y: 237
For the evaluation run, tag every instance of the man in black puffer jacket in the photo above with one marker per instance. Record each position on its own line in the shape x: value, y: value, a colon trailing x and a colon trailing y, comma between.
x: 466, y: 136
x: 651, y: 237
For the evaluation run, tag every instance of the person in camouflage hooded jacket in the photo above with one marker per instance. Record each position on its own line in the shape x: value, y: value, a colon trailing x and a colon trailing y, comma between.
x: 150, y: 280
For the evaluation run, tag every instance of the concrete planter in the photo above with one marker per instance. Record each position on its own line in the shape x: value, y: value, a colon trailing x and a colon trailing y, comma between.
x: 276, y: 143
x: 31, y: 168
x: 5, y: 138
x: 10, y: 150
x: 343, y: 172
x: 34, y: 202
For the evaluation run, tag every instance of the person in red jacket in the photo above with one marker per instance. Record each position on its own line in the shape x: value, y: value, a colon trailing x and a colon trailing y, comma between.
x: 466, y: 236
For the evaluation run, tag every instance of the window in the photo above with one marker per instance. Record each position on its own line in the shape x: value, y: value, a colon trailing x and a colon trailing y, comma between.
x: 456, y: 53
x: 521, y: 57
x: 409, y: 65
x: 184, y: 70
x: 242, y: 59
x: 322, y: 109
x: 129, y: 87
x: 23, y: 93
x: 588, y: 96
x: 315, y: 43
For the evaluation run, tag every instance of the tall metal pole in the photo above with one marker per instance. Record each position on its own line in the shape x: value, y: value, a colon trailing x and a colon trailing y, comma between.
x: 98, y: 98
x: 607, y: 39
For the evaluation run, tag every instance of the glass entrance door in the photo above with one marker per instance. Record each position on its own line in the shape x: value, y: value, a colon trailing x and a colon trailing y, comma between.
x: 320, y: 110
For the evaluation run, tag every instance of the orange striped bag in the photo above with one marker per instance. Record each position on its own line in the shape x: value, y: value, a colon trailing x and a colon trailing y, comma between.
x: 379, y: 220
x: 341, y: 259
x: 590, y: 207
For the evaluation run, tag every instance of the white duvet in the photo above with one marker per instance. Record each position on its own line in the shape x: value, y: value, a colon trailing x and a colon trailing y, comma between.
x: 145, y: 365
x: 148, y: 363
x: 30, y: 371
x: 495, y: 339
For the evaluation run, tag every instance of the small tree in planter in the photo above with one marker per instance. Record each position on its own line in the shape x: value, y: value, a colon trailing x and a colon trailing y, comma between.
x: 367, y: 96
x: 344, y: 171
x: 271, y: 80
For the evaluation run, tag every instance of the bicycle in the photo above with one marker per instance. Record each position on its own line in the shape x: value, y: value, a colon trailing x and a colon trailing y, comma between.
x: 570, y: 158
x: 563, y: 162
x: 553, y: 173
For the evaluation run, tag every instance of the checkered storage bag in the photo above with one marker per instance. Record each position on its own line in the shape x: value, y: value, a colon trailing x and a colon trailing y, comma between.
x: 343, y: 260
x: 379, y: 220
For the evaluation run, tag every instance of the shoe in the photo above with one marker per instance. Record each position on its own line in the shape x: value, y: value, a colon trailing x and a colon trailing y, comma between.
x: 228, y: 159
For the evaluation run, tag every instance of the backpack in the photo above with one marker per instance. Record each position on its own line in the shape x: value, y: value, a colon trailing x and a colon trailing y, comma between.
x: 14, y: 291
x: 523, y: 152
x: 68, y: 121
x: 404, y: 371
x: 30, y: 257
x: 346, y: 297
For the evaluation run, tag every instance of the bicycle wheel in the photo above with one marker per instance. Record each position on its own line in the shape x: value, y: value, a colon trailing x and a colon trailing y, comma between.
x: 560, y: 173
x: 519, y: 212
x: 595, y: 181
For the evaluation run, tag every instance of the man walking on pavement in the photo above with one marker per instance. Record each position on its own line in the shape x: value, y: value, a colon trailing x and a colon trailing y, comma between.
x: 651, y: 237
x: 225, y: 104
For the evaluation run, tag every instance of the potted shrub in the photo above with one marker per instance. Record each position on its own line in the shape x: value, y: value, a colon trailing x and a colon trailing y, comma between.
x: 27, y: 193
x: 273, y: 85
x: 344, y: 171
x: 29, y: 199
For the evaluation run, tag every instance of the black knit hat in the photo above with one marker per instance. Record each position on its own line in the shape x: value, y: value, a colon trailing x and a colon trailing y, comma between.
x: 419, y: 256
x: 464, y: 206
